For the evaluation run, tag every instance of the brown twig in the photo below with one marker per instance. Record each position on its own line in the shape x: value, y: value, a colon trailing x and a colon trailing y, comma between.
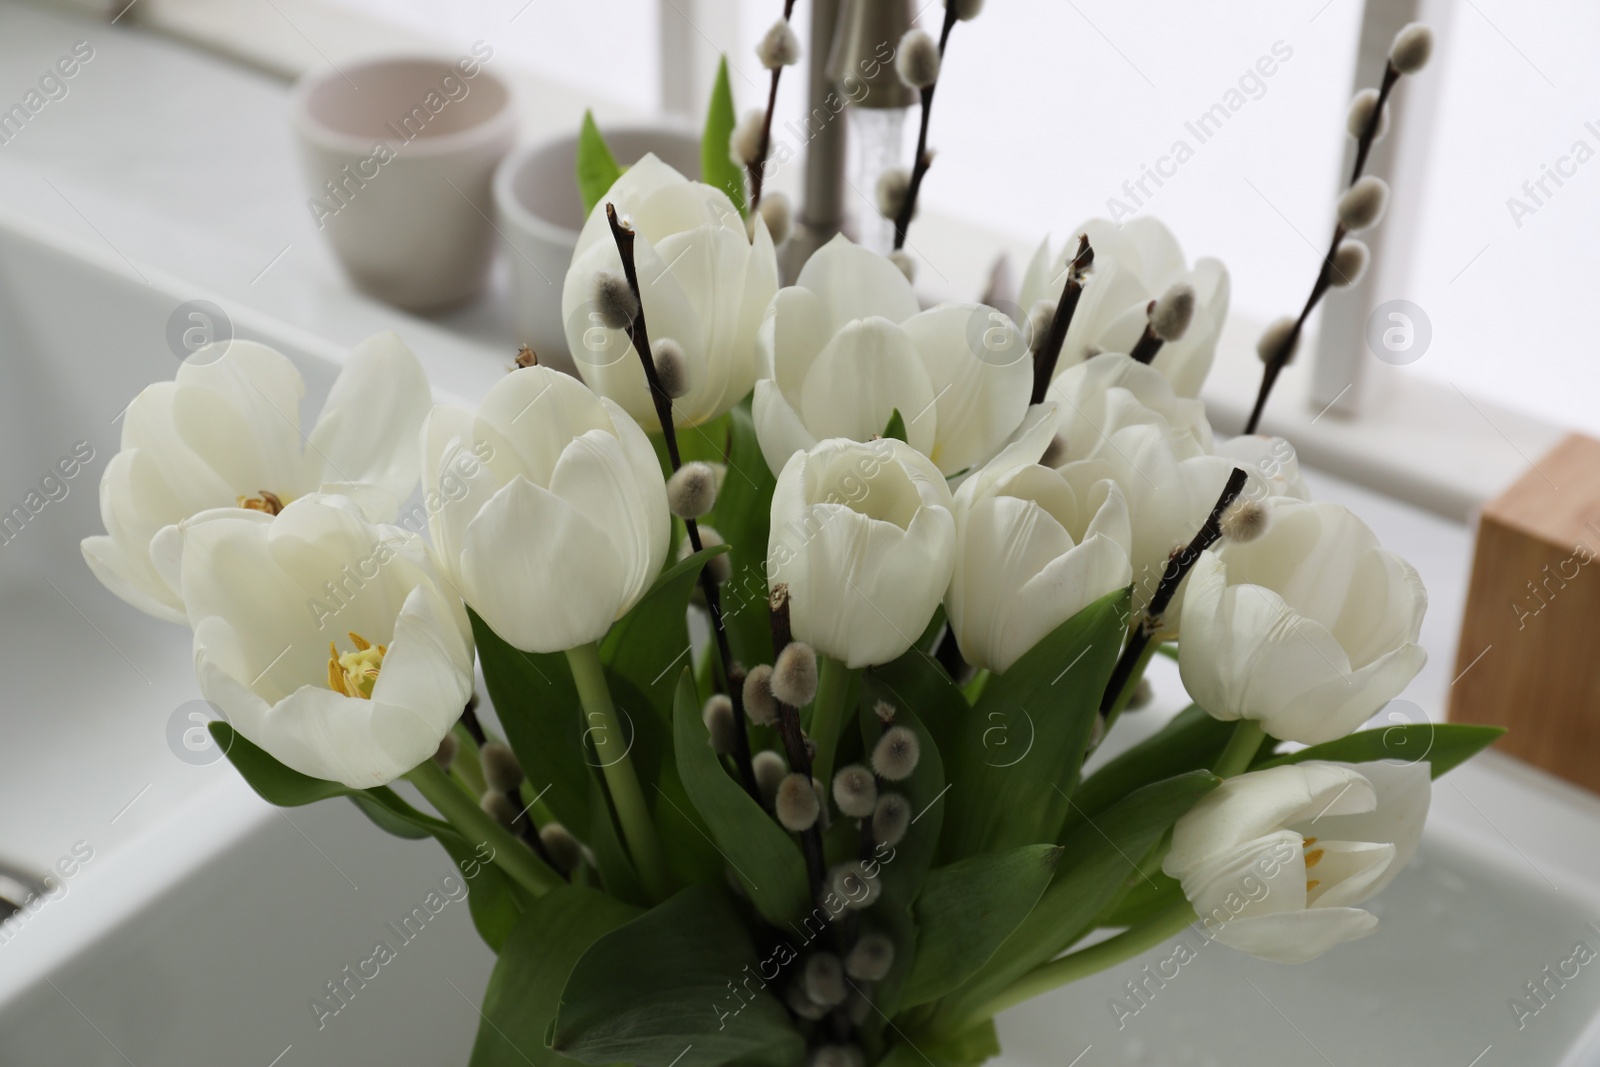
x: 793, y: 737
x: 1178, y: 567
x: 637, y: 333
x: 1319, y: 288
x: 757, y: 168
x: 919, y: 168
x: 1049, y: 352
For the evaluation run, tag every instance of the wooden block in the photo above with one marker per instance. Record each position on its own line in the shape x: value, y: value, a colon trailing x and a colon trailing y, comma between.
x: 1529, y: 658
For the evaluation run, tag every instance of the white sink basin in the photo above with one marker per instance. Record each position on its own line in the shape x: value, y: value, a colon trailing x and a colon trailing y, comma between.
x: 205, y: 922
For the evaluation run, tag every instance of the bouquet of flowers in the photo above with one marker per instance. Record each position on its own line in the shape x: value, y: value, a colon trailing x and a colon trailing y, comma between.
x: 800, y: 614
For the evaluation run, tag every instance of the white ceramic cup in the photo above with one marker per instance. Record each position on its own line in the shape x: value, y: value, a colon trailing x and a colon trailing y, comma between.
x: 541, y: 211
x: 399, y: 153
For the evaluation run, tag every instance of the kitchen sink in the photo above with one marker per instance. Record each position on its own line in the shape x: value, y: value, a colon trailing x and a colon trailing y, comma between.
x: 189, y: 923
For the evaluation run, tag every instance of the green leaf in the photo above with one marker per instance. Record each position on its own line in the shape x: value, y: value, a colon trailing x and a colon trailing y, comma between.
x: 742, y: 516
x: 896, y: 427
x: 717, y: 167
x: 1017, y: 754
x: 966, y: 910
x: 1444, y: 745
x: 538, y: 707
x: 388, y: 820
x: 656, y: 992
x: 975, y: 1046
x: 763, y: 855
x: 1095, y: 865
x: 597, y: 167
x: 644, y: 645
x: 611, y: 859
x: 1191, y: 741
x: 534, y: 964
x: 496, y: 902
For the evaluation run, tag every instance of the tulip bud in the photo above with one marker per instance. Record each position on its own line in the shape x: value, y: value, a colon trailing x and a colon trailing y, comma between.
x: 902, y: 259
x: 1412, y: 47
x: 794, y: 676
x: 759, y: 702
x: 894, y: 185
x: 779, y: 46
x: 718, y: 717
x: 854, y: 791
x: 896, y: 753
x: 1349, y: 263
x: 744, y: 144
x: 824, y: 979
x: 692, y: 490
x: 500, y: 767
x: 562, y: 846
x: 777, y: 213
x: 802, y: 1005
x: 499, y: 807
x: 672, y: 367
x: 1244, y: 521
x: 850, y: 883
x: 446, y: 754
x: 884, y: 711
x: 870, y: 958
x: 1039, y: 320
x: 917, y: 61
x: 1362, y: 204
x: 1173, y: 310
x: 614, y: 300
x: 769, y: 770
x: 1360, y: 116
x: 1278, y: 341
x: 891, y: 819
x: 796, y: 803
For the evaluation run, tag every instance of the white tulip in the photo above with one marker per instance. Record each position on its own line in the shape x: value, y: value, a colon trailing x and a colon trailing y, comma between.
x: 226, y: 433
x: 1119, y: 419
x: 1276, y: 861
x: 1309, y: 629
x: 704, y: 283
x: 1270, y: 459
x: 1034, y: 546
x: 328, y: 641
x: 1133, y: 264
x: 561, y: 525
x: 863, y: 536
x: 847, y: 345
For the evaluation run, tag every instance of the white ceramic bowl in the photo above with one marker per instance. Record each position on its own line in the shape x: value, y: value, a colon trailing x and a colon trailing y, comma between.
x: 398, y: 154
x: 541, y: 211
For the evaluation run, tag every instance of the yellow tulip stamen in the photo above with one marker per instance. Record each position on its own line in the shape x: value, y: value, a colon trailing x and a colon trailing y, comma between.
x: 354, y: 674
x: 1309, y: 842
x: 266, y: 501
x: 1312, y: 884
x: 1313, y: 858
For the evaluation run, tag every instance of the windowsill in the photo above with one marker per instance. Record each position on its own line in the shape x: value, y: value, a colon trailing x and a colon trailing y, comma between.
x: 1420, y: 441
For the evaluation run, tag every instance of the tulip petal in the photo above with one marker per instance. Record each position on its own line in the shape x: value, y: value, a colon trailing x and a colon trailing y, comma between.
x: 981, y: 372
x: 539, y: 572
x: 867, y: 371
x: 856, y: 283
x: 1295, y: 936
x: 778, y: 426
x: 368, y: 429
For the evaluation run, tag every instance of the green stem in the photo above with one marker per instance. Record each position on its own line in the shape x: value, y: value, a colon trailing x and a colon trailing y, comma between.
x: 1242, y: 747
x: 477, y: 826
x: 637, y: 829
x: 827, y: 714
x: 1086, y: 961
